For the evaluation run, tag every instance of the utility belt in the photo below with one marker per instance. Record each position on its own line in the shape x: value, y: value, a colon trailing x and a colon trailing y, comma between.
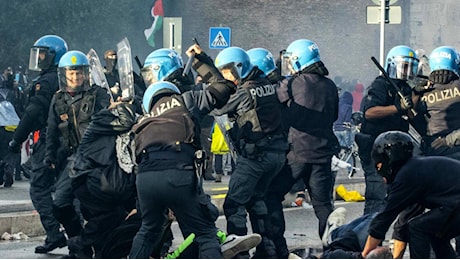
x: 267, y: 144
x: 179, y: 152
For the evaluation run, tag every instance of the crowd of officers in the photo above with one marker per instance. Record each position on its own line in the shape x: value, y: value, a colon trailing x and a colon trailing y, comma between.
x: 124, y: 165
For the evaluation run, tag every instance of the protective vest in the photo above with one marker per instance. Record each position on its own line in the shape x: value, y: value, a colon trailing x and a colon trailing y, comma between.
x: 168, y: 125
x: 74, y: 115
x: 443, y: 104
x: 263, y: 118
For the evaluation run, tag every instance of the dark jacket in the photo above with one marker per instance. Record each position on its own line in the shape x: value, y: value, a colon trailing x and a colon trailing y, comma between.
x: 381, y: 93
x: 310, y: 107
x: 36, y: 113
x: 256, y: 111
x: 431, y: 182
x: 153, y: 154
x: 97, y: 150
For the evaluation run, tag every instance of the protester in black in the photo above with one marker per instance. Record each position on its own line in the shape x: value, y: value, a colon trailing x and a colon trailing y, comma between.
x: 431, y: 182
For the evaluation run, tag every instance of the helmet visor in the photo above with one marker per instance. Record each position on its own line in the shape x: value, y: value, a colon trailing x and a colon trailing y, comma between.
x: 74, y: 78
x: 405, y: 68
x: 150, y: 74
x: 39, y: 58
x: 231, y: 71
x: 286, y: 67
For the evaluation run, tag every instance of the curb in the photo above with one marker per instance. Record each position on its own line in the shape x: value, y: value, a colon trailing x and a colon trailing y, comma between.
x: 23, y: 218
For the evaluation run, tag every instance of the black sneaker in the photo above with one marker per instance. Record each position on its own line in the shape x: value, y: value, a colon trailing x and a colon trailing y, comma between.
x: 50, y: 246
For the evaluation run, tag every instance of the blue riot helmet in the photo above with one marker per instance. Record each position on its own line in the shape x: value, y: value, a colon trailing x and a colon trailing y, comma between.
x: 74, y: 72
x: 153, y: 92
x: 236, y: 60
x: 402, y: 63
x: 299, y: 55
x: 263, y: 59
x: 159, y: 64
x: 444, y: 58
x: 46, y: 52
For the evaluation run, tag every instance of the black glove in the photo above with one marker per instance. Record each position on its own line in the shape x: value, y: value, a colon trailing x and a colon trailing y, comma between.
x: 14, y: 147
x: 221, y: 91
x: 204, y: 66
x: 403, y: 104
x: 49, y: 161
x: 421, y: 85
x: 438, y: 143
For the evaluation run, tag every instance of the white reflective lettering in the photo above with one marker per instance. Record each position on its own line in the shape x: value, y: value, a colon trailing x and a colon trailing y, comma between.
x: 263, y: 91
x: 442, y: 95
x: 165, y: 106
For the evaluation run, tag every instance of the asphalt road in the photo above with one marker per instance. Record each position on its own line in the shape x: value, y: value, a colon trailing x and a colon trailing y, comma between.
x: 301, y: 233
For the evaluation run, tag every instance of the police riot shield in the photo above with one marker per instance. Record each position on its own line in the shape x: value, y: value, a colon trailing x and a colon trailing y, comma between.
x: 125, y: 69
x: 97, y: 73
x: 224, y: 125
x: 8, y: 116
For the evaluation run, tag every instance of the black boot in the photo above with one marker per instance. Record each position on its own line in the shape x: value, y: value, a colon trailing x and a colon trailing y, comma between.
x: 50, y: 246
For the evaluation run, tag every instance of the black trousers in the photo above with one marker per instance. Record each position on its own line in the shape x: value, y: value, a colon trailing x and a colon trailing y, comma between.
x: 436, y: 227
x: 102, y: 215
x: 177, y: 190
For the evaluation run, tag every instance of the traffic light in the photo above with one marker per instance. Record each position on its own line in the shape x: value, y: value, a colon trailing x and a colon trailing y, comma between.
x: 387, y: 11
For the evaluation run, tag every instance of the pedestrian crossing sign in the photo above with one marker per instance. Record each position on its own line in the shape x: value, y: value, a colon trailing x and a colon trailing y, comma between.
x: 219, y: 37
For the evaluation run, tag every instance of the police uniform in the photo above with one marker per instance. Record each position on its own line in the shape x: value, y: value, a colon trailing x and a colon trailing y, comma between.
x: 261, y: 140
x: 165, y: 143
x: 310, y: 106
x: 380, y: 93
x: 68, y: 118
x: 443, y: 104
x: 42, y: 178
x: 433, y: 183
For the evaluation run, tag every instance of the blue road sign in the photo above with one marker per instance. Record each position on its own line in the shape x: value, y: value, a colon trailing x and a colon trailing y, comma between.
x: 219, y: 37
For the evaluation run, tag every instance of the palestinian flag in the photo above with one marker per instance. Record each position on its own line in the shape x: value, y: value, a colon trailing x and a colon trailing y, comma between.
x: 157, y: 23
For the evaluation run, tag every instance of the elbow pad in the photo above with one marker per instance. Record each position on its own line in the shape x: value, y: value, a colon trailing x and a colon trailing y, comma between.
x: 204, y: 66
x: 221, y: 91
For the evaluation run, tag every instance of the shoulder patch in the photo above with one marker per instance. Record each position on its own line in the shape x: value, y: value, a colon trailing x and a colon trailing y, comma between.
x: 37, y: 87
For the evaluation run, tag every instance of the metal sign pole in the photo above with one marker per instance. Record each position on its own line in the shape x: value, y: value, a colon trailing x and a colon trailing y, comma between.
x: 382, y: 32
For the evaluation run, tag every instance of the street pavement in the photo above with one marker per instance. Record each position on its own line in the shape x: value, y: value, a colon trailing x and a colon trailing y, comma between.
x: 18, y: 215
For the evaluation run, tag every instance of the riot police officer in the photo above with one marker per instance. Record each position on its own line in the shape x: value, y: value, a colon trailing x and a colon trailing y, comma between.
x: 443, y: 137
x: 310, y: 106
x: 165, y: 147
x: 262, y: 144
x: 44, y: 57
x: 69, y: 115
x: 263, y: 59
x: 384, y: 110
